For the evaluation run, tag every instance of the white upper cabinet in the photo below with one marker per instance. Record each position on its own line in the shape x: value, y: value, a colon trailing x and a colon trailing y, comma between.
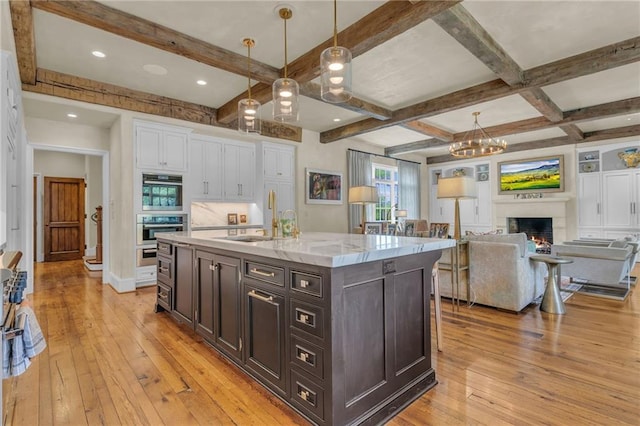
x: 205, y: 176
x: 161, y: 148
x: 278, y: 161
x: 590, y: 200
x: 239, y: 171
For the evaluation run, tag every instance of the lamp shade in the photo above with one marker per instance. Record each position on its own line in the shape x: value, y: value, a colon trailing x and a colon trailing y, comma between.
x: 363, y: 195
x: 401, y: 213
x: 457, y: 187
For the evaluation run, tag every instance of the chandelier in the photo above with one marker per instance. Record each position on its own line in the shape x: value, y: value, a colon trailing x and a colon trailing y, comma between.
x: 477, y: 143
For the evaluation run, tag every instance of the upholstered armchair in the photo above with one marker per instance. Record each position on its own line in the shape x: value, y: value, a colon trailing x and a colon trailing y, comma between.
x: 501, y: 273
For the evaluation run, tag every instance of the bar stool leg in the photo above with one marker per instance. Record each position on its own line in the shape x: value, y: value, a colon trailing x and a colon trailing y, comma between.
x: 435, y: 281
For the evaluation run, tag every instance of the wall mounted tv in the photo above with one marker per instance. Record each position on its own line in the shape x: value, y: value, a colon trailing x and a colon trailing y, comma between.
x: 543, y: 174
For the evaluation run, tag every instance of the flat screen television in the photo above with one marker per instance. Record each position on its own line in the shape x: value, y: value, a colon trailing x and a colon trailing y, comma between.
x: 542, y: 174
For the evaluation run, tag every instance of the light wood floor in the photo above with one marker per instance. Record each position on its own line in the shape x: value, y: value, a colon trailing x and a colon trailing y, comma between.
x: 111, y: 360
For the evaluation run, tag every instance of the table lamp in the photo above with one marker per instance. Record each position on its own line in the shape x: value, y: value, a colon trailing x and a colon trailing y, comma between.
x: 457, y: 187
x: 363, y: 195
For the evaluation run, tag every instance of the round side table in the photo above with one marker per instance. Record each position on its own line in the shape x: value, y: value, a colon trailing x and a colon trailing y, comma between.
x: 552, y: 299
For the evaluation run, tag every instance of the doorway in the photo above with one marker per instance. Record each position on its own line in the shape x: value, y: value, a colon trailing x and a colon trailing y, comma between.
x: 64, y: 215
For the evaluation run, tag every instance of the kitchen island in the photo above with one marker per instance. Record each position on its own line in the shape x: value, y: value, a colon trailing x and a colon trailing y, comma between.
x: 336, y: 325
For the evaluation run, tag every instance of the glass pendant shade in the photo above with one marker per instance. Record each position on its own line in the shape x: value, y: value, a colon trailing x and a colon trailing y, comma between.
x: 285, y: 100
x: 249, y: 116
x: 335, y: 68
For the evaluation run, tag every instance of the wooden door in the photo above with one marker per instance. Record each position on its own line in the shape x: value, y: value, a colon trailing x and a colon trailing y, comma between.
x: 63, y: 218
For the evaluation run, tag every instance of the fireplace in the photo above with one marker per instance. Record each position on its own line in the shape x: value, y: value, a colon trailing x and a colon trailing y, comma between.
x: 538, y: 229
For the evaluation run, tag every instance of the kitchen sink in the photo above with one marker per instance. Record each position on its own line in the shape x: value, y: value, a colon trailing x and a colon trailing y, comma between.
x: 249, y: 238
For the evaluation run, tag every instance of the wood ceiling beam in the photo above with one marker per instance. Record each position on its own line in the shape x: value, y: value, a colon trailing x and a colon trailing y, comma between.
x: 81, y: 89
x: 132, y: 27
x: 599, y: 135
x: 607, y: 57
x: 429, y: 130
x: 22, y: 22
x: 610, y: 109
x: 379, y: 26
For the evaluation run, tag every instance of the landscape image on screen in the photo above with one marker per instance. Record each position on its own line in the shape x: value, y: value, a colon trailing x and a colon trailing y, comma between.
x: 535, y: 175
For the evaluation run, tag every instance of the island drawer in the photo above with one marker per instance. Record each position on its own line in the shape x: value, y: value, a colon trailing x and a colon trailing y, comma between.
x: 307, y: 317
x: 164, y: 296
x: 307, y: 356
x: 165, y: 270
x: 306, y: 283
x: 165, y: 248
x: 268, y: 273
x: 308, y: 395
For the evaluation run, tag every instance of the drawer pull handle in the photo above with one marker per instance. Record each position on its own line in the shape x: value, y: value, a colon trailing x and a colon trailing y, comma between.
x: 304, y: 283
x: 163, y: 269
x: 263, y: 273
x: 306, y: 318
x: 213, y: 267
x: 163, y: 295
x: 306, y: 394
x: 268, y: 299
x: 305, y: 356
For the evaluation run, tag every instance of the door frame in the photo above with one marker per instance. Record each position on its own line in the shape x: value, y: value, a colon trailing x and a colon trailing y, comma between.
x: 106, y: 215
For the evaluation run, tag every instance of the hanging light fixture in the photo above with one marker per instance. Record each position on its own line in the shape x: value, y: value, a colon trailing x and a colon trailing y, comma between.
x: 477, y: 143
x: 249, y: 109
x: 285, y: 90
x: 335, y: 68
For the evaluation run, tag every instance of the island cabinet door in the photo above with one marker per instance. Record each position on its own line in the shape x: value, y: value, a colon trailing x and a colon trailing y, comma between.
x: 205, y: 266
x: 227, y: 306
x: 265, y: 348
x: 183, y: 292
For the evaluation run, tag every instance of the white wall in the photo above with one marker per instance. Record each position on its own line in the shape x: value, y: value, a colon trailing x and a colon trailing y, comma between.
x: 67, y: 135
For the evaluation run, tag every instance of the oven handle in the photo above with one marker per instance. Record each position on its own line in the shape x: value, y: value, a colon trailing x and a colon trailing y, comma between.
x: 156, y: 182
x: 174, y: 225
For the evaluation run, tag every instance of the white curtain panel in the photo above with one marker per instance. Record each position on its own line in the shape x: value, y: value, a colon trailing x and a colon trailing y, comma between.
x: 359, y: 174
x: 409, y: 188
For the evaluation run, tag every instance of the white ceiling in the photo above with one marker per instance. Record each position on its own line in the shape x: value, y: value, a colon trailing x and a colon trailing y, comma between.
x: 420, y: 64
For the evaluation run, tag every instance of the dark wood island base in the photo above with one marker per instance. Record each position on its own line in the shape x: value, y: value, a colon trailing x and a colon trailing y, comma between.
x: 341, y: 345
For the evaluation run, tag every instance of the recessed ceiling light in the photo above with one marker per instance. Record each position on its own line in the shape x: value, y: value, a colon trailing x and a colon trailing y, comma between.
x: 98, y: 54
x: 155, y: 69
x: 336, y: 119
x: 72, y: 115
x: 201, y: 82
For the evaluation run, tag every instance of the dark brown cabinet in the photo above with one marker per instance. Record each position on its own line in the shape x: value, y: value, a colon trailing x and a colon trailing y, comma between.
x: 183, y: 286
x: 165, y: 274
x: 265, y: 327
x: 219, y: 301
x: 343, y: 345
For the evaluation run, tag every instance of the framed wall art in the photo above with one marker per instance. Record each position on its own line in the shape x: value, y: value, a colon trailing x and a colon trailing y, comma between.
x: 543, y: 174
x: 323, y: 187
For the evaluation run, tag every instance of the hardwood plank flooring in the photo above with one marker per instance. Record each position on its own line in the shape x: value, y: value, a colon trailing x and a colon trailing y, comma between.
x: 111, y: 360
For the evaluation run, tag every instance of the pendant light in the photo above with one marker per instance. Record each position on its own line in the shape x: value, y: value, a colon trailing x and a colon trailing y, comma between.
x: 249, y: 109
x: 285, y: 90
x: 335, y: 69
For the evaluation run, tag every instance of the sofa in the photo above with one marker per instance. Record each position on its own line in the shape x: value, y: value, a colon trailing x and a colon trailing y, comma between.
x: 598, y: 262
x: 501, y: 272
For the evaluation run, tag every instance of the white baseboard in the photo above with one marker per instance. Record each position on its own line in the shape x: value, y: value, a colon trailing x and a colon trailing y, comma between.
x: 122, y: 285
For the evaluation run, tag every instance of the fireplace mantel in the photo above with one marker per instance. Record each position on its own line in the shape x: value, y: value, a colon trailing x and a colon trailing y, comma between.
x: 555, y: 208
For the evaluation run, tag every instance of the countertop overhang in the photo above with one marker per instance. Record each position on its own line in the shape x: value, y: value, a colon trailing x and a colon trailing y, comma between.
x: 317, y: 248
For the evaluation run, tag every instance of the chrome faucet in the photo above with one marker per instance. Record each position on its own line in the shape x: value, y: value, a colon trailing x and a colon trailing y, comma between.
x: 274, y: 213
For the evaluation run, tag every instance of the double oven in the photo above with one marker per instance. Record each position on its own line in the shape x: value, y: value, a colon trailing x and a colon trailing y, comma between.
x: 162, y: 206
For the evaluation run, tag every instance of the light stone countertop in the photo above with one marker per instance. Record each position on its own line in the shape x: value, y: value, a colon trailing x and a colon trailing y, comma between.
x: 316, y: 248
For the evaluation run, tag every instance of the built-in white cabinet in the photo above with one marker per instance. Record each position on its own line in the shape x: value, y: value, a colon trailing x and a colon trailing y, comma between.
x: 160, y: 147
x: 475, y: 214
x: 608, y: 193
x: 278, y: 175
x: 205, y: 177
x: 239, y: 166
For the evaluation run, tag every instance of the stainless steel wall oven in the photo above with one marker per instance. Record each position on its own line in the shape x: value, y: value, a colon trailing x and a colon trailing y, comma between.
x: 148, y: 225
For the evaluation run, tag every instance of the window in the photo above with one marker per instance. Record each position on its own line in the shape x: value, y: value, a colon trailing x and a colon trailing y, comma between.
x: 385, y: 178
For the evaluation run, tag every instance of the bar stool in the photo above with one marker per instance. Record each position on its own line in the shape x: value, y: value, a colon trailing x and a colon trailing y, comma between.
x: 435, y: 282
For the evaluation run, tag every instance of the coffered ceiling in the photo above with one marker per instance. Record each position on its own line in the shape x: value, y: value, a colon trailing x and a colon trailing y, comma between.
x: 541, y: 73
